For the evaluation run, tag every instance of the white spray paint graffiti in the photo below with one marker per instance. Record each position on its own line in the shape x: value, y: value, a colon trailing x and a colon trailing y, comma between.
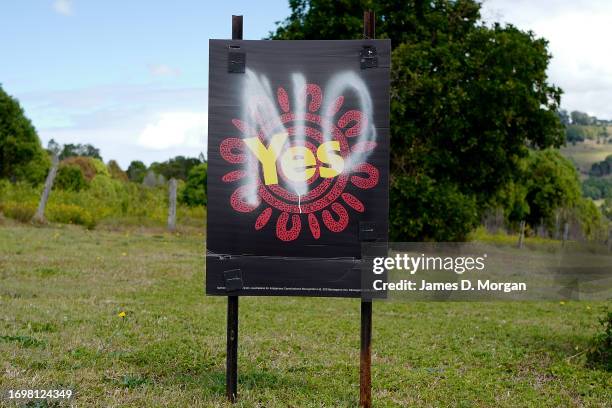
x: 259, y: 106
x: 299, y: 98
x: 338, y: 86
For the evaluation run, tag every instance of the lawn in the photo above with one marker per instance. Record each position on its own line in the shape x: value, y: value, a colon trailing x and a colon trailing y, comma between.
x: 62, y: 290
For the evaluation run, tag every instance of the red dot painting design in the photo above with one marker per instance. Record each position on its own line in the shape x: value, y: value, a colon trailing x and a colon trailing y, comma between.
x: 326, y: 202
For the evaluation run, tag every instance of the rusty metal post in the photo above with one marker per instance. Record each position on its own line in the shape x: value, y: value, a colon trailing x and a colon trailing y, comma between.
x: 365, y: 355
x: 231, y: 362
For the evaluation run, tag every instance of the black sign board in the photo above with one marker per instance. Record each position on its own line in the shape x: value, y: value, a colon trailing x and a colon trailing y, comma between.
x: 298, y: 158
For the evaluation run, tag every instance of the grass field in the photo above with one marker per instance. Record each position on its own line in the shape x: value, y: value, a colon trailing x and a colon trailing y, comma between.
x: 586, y: 153
x: 62, y: 290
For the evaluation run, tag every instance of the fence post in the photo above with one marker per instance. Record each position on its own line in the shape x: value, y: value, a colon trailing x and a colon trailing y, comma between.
x: 521, y: 234
x: 172, y: 205
x: 39, y: 217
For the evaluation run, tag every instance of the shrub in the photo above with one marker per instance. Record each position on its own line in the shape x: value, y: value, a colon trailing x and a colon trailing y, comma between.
x: 101, y: 169
x: 599, y: 354
x: 86, y: 164
x: 70, y: 177
x: 194, y: 192
x: 70, y: 214
x: 116, y: 172
x: 22, y: 212
x: 136, y: 171
x: 422, y: 209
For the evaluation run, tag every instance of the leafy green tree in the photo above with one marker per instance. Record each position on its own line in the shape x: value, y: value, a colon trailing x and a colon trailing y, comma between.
x: 70, y: 177
x: 466, y: 101
x: 417, y: 204
x: 195, y: 190
x: 581, y: 118
x: 575, y: 134
x: 136, y: 171
x: 597, y: 188
x: 177, y: 167
x: 86, y: 150
x: 552, y: 183
x: 602, y: 168
x: 606, y: 208
x: 21, y: 154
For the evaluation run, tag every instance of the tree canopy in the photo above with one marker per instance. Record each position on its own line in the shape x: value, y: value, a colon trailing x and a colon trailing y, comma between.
x: 21, y: 154
x: 467, y: 103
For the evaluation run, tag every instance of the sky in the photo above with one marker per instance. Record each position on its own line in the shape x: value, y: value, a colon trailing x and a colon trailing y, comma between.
x: 579, y: 34
x: 130, y: 77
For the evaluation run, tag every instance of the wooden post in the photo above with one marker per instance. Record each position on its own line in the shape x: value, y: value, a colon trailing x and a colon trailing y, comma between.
x: 39, y: 217
x: 565, y: 233
x: 365, y: 355
x: 172, y: 205
x: 521, y: 234
x: 231, y: 361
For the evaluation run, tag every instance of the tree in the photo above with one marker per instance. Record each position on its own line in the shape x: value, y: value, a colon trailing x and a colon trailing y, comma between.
x: 177, y: 167
x: 195, y: 190
x: 116, y: 172
x: 53, y: 147
x: 575, y: 133
x: 87, y: 150
x: 136, y: 171
x: 466, y: 100
x: 564, y: 117
x: 21, y: 154
x: 581, y: 118
x: 602, y: 168
x: 552, y: 183
x: 70, y: 177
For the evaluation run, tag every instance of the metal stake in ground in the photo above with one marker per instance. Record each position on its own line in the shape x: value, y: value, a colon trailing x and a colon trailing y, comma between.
x: 365, y: 356
x: 231, y: 363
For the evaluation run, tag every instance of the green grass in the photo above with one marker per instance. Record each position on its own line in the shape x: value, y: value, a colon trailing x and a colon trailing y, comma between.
x: 586, y: 153
x: 62, y: 289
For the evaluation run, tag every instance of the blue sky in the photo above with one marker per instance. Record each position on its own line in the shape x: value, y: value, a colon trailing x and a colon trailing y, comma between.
x: 131, y: 76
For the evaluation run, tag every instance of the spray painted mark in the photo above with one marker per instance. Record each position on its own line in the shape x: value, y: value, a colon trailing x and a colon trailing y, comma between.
x: 298, y: 152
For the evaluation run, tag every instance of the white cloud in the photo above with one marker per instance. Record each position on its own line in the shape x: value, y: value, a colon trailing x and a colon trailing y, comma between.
x: 113, y: 117
x: 175, y: 129
x: 578, y: 32
x: 161, y: 70
x: 63, y: 7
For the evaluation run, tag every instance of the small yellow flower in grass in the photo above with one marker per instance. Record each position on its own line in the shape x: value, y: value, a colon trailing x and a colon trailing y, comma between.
x: 561, y: 303
x: 121, y: 314
x: 588, y: 307
x: 124, y: 254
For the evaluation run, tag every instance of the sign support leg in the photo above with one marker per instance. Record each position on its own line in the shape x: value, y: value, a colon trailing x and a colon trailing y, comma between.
x: 365, y: 355
x: 365, y: 360
x: 231, y: 366
x: 231, y: 362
